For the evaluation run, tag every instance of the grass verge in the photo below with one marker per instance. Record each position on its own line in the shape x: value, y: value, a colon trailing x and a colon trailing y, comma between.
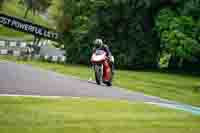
x: 12, y: 34
x: 42, y: 115
x: 178, y: 87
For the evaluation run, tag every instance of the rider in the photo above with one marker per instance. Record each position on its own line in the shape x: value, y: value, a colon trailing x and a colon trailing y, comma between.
x: 101, y: 46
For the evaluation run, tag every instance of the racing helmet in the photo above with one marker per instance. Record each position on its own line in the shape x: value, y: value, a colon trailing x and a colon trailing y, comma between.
x: 98, y: 42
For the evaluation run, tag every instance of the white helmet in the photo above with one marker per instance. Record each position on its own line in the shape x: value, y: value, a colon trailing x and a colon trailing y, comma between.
x: 98, y: 42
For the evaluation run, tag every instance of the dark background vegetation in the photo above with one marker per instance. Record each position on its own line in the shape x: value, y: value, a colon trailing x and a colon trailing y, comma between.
x: 142, y: 34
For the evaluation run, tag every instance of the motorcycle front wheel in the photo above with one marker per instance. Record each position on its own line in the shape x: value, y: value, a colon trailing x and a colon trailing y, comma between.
x: 98, y: 73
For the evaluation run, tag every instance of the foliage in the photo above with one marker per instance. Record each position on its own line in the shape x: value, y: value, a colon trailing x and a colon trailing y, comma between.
x: 1, y: 3
x: 118, y: 23
x: 179, y: 31
x: 77, y: 15
x: 55, y: 13
x: 191, y: 8
x: 35, y: 5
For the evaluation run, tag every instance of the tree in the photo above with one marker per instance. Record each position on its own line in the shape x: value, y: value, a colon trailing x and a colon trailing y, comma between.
x: 179, y: 33
x: 1, y: 3
x: 35, y: 5
x: 191, y: 8
x: 126, y: 25
x: 77, y: 25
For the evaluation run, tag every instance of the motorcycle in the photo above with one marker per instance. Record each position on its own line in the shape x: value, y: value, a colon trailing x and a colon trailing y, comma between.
x: 101, y: 66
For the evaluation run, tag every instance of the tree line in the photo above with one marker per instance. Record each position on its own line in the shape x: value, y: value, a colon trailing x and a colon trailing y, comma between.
x: 140, y: 33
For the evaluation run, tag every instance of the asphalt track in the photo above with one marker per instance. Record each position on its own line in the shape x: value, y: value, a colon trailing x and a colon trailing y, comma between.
x: 25, y: 80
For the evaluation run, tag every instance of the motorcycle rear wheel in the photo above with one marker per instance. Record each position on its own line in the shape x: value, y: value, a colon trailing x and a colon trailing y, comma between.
x: 109, y: 83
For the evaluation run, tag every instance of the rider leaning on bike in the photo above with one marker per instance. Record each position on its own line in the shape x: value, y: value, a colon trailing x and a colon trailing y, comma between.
x: 99, y: 45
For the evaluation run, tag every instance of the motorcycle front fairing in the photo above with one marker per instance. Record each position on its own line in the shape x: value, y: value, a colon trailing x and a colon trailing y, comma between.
x: 98, y: 57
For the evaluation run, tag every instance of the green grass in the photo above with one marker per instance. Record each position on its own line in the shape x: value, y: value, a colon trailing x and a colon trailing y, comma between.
x: 7, y: 32
x: 42, y: 115
x: 178, y: 87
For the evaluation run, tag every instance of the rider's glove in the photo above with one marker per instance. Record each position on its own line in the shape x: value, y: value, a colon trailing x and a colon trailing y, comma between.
x: 111, y: 58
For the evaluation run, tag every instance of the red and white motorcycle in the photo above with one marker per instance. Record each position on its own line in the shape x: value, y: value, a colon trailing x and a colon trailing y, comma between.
x: 102, y: 69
